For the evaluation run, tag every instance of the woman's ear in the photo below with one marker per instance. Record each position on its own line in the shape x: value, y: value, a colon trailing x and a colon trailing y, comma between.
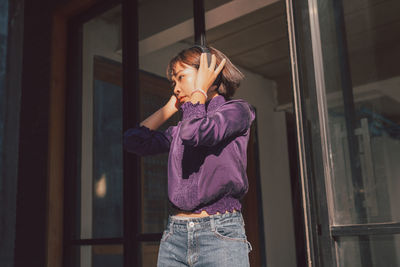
x: 213, y: 88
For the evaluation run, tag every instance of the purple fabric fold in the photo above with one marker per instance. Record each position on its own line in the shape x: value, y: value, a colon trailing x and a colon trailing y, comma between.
x: 143, y: 141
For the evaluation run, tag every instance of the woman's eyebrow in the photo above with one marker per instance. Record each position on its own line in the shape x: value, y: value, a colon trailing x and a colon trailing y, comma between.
x: 177, y: 73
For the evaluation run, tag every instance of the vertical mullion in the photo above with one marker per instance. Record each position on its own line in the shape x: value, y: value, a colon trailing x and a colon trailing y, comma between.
x: 131, y: 109
x: 73, y: 140
x: 199, y: 22
x: 298, y: 110
x: 314, y: 144
x: 327, y: 243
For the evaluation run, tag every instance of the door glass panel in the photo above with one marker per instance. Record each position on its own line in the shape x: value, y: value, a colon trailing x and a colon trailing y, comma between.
x: 99, y: 186
x: 359, y: 97
x: 96, y: 256
x: 159, y: 41
x: 384, y: 250
x: 365, y: 132
x: 350, y: 98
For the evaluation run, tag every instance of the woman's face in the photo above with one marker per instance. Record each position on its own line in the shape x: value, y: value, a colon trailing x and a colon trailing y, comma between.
x: 183, y: 81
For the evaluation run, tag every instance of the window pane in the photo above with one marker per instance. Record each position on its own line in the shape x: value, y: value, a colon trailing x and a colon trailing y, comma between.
x: 149, y: 252
x: 361, y: 93
x: 96, y: 256
x: 366, y: 180
x: 159, y: 41
x: 99, y: 187
x: 384, y: 250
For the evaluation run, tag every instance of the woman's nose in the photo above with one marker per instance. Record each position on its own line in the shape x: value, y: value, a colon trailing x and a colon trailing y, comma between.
x: 176, y: 90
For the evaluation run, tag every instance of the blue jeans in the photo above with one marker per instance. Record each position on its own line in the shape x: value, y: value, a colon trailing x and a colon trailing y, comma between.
x: 217, y: 240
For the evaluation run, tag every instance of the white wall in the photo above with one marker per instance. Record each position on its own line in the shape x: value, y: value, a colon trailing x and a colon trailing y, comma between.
x: 274, y: 170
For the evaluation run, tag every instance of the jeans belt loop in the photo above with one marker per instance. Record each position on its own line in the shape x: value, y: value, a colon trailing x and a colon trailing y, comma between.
x: 212, y: 223
x: 171, y: 226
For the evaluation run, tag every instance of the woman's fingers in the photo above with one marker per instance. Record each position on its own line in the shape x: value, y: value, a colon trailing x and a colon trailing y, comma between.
x: 207, y: 75
x: 220, y: 66
x: 213, y: 62
x: 203, y: 60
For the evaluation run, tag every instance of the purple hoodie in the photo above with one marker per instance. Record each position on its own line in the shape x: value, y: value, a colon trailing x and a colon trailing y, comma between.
x: 207, y: 154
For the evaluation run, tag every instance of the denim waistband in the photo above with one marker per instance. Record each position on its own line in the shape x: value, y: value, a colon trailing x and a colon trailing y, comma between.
x: 207, y: 222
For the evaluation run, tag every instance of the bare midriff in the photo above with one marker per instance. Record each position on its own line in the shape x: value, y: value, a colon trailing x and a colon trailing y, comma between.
x: 196, y: 215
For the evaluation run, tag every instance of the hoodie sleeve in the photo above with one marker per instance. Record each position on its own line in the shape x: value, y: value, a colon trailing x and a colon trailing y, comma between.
x: 230, y: 119
x: 144, y: 142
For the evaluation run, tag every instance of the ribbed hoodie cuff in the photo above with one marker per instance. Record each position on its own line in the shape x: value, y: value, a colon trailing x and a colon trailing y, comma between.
x: 191, y: 110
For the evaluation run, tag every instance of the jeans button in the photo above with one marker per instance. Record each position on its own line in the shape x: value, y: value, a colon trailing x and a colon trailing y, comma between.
x: 191, y: 224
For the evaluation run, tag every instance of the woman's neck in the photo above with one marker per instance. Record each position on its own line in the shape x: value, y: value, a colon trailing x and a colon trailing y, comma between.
x: 212, y: 95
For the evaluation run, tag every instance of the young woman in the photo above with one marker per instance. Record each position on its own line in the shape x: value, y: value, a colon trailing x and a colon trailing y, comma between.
x: 207, y: 161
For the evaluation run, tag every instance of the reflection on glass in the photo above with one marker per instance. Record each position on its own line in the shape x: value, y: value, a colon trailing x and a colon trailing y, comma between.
x: 384, y: 250
x: 97, y: 256
x: 378, y: 149
x: 99, y: 187
x: 107, y: 160
x: 159, y: 41
x: 366, y: 180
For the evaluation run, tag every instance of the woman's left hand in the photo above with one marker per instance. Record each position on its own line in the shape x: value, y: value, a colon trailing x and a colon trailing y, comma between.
x: 207, y: 75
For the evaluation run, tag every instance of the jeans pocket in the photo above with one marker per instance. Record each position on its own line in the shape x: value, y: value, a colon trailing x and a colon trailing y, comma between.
x: 166, y: 234
x: 230, y: 232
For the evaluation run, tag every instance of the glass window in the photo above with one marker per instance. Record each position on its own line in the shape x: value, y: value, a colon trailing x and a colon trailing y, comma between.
x: 159, y: 41
x: 94, y: 170
x: 149, y: 253
x: 349, y: 53
x: 384, y: 250
x: 365, y: 134
x: 99, y: 183
x: 97, y: 256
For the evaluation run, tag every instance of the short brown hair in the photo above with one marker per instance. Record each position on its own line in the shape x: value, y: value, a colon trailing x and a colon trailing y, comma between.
x: 231, y: 76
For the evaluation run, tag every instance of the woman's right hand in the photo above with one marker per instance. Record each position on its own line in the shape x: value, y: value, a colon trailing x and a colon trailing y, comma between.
x: 156, y: 119
x: 174, y: 103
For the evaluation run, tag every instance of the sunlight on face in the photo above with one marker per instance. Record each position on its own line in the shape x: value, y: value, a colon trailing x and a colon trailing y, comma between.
x: 183, y: 81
